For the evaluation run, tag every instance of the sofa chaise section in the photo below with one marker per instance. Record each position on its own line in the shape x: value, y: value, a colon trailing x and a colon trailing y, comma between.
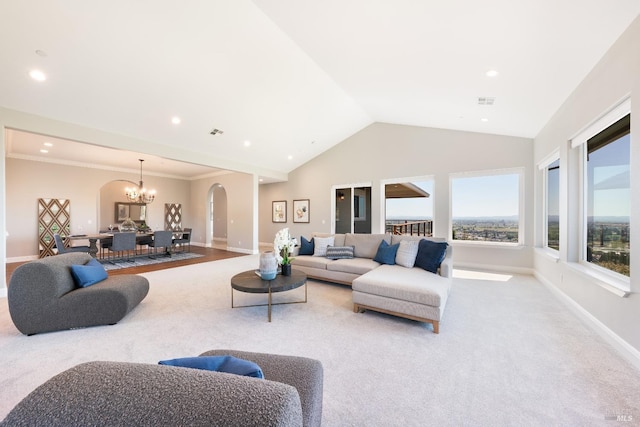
x: 411, y: 293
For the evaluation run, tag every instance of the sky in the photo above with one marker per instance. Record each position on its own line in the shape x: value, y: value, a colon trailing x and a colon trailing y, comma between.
x: 477, y: 196
x: 485, y: 196
x: 609, y: 167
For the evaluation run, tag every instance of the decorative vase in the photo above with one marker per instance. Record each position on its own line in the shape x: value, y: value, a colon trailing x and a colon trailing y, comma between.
x: 268, y: 266
x: 286, y: 269
x: 127, y: 225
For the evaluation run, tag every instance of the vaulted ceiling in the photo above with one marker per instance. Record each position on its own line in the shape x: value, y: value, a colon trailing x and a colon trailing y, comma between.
x: 285, y: 80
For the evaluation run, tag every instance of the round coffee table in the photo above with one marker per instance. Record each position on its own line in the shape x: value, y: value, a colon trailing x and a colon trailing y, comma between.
x: 249, y: 281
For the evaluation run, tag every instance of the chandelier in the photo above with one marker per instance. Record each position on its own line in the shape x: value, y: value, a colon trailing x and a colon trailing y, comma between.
x: 140, y: 194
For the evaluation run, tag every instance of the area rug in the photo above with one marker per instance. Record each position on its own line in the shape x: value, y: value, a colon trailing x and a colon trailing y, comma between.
x: 141, y: 260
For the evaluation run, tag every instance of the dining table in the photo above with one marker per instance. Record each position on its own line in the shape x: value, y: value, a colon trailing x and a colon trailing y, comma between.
x: 95, y: 237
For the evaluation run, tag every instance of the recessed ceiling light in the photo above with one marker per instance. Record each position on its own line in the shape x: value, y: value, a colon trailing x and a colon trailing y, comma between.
x: 486, y: 100
x: 175, y: 120
x: 247, y: 143
x: 492, y: 73
x: 48, y: 144
x: 43, y: 151
x: 261, y: 180
x: 38, y: 75
x: 289, y: 157
x: 484, y: 119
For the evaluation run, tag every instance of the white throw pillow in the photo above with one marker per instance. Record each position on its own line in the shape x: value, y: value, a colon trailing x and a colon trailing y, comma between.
x: 321, y: 244
x: 407, y: 252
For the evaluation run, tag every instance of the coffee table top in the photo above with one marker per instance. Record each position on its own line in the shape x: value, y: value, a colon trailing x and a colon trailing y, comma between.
x: 249, y: 281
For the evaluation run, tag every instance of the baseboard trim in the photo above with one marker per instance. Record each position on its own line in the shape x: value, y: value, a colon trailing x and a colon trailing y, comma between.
x: 493, y: 268
x: 626, y: 350
x: 242, y: 250
x: 22, y: 258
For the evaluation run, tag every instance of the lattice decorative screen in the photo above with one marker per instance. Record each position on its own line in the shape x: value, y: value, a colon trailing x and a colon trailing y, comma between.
x: 172, y: 216
x: 53, y: 217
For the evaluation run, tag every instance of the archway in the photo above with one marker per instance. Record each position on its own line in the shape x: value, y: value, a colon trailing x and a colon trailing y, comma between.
x: 217, y: 215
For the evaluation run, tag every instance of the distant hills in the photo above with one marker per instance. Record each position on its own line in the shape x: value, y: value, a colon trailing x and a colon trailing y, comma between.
x: 598, y: 219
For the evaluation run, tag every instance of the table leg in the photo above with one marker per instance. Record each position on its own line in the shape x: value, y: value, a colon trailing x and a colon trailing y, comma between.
x: 93, y: 247
x: 269, y: 310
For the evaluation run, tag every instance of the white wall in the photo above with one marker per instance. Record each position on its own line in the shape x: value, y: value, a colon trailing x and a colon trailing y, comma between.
x: 385, y: 151
x: 242, y: 196
x: 616, y: 76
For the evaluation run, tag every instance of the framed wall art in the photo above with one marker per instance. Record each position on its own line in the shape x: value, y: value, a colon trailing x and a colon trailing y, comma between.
x: 279, y: 211
x: 301, y: 210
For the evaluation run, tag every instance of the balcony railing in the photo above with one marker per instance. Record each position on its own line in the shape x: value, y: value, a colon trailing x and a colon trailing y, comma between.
x: 412, y: 228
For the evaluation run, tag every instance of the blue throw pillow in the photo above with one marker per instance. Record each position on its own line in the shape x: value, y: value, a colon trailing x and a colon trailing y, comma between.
x: 88, y: 274
x: 386, y: 253
x: 306, y: 247
x: 228, y: 364
x: 430, y: 255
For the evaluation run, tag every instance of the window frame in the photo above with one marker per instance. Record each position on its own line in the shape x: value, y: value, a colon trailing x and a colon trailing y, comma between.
x: 520, y: 172
x: 608, y: 278
x: 544, y: 167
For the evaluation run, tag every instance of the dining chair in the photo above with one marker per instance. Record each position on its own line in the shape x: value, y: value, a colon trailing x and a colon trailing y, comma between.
x: 123, y: 242
x: 162, y: 239
x: 62, y: 249
x: 185, y: 240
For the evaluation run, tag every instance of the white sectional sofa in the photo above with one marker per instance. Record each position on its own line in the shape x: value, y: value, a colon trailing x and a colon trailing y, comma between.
x: 409, y: 292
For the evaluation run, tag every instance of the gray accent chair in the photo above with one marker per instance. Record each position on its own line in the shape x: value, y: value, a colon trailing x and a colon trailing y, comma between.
x: 185, y: 240
x: 162, y: 239
x: 120, y: 393
x: 62, y: 249
x: 123, y: 243
x: 43, y: 296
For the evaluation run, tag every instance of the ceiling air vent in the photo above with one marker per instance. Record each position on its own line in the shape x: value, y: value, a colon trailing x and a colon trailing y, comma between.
x: 216, y: 132
x: 486, y: 100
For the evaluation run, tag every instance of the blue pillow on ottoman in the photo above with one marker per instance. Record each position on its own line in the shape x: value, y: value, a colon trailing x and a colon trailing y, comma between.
x: 306, y: 247
x: 430, y: 255
x: 386, y: 253
x: 228, y: 364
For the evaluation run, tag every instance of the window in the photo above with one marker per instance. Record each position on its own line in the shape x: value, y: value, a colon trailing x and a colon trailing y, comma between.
x: 552, y: 206
x: 608, y: 197
x: 486, y: 207
x: 409, y: 206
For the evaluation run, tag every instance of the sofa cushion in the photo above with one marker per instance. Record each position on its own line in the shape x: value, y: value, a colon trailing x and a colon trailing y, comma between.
x: 306, y: 246
x: 88, y: 274
x: 353, y: 266
x: 406, y: 284
x: 311, y: 261
x: 321, y: 244
x: 338, y: 237
x: 229, y: 364
x: 407, y: 252
x: 339, y: 252
x: 430, y: 254
x: 386, y: 253
x: 366, y: 245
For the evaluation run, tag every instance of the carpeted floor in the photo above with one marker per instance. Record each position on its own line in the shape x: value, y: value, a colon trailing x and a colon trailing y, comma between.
x: 141, y: 260
x: 508, y: 352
